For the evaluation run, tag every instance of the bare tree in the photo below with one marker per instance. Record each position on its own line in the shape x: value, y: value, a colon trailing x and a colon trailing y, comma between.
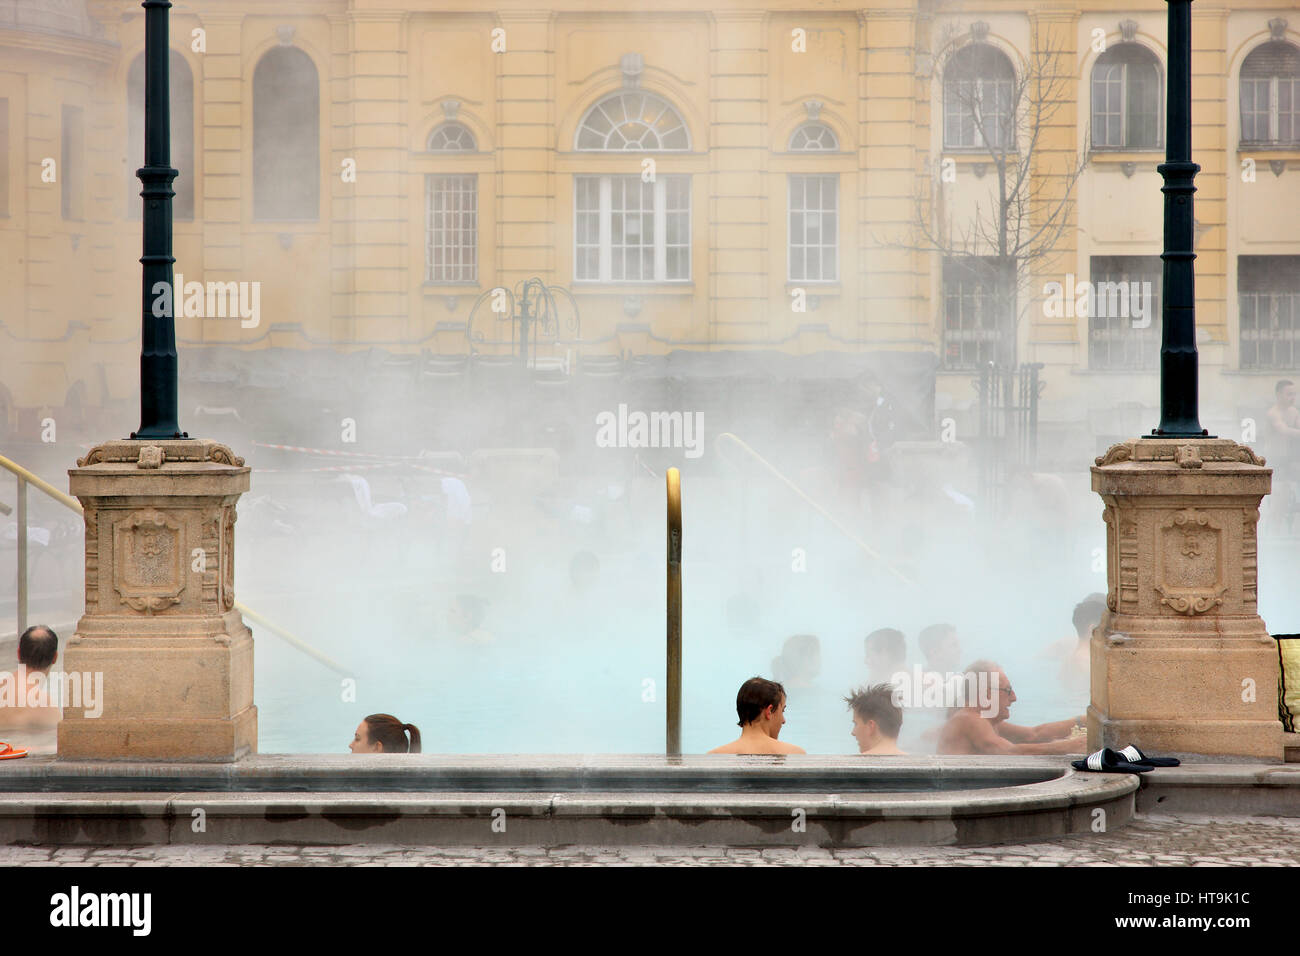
x: 1006, y: 116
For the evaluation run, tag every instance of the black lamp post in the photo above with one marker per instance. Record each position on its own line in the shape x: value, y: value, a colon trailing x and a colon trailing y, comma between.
x: 158, y: 333
x: 1179, y: 417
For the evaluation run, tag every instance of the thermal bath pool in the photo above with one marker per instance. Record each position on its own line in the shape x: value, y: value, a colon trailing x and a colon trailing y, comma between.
x: 552, y: 801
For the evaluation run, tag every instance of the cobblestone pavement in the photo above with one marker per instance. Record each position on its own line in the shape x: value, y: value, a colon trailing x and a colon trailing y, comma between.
x: 1150, y: 840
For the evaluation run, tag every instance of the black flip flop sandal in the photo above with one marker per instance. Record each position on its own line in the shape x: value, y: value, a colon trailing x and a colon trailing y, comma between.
x: 1106, y: 760
x: 1133, y: 755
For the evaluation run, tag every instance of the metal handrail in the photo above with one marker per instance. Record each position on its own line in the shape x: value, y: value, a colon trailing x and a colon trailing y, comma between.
x: 26, y: 478
x: 674, y: 653
x: 835, y: 522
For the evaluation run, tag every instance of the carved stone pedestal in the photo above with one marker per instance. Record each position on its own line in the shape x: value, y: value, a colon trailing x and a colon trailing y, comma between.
x: 160, y: 623
x: 1182, y: 661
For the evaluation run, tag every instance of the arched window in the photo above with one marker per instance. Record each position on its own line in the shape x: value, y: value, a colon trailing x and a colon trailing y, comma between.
x: 632, y: 119
x: 182, y: 102
x: 814, y: 138
x: 286, y: 136
x: 1126, y: 98
x: 978, y: 88
x: 452, y: 138
x: 1270, y: 95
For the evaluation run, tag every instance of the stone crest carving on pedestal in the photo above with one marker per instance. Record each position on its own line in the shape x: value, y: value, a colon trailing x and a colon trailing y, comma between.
x: 1189, y: 562
x: 149, y: 560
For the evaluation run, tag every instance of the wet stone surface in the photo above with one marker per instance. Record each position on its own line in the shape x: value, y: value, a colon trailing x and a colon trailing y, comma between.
x: 1148, y: 841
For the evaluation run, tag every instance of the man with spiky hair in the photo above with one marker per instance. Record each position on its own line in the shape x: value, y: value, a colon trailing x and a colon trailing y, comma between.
x: 877, y: 720
x: 760, y: 705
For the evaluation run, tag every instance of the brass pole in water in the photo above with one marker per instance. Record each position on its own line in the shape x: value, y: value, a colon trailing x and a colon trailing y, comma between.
x: 674, y: 612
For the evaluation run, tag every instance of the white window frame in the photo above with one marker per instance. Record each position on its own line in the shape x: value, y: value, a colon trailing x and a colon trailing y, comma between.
x: 790, y: 243
x: 1274, y: 112
x: 606, y: 231
x: 431, y: 182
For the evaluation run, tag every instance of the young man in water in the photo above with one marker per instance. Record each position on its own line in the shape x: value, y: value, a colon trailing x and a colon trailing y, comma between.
x: 885, y: 654
x: 760, y: 705
x: 1284, y: 421
x: 876, y: 720
x: 1076, y: 666
x: 941, y: 648
x: 981, y: 726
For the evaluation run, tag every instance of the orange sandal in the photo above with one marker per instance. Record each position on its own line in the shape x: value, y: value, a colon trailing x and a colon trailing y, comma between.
x: 8, y: 753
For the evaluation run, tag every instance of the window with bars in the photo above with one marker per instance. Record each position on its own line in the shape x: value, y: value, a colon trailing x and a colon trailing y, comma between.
x: 1270, y: 95
x: 978, y: 86
x: 814, y: 228
x: 286, y: 136
x: 1126, y: 98
x: 1125, y: 293
x: 978, y: 307
x: 626, y: 230
x: 451, y: 228
x: 1268, y: 301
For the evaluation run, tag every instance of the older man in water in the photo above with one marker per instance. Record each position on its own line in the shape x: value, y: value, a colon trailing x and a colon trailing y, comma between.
x: 29, y: 713
x: 760, y: 705
x: 981, y: 727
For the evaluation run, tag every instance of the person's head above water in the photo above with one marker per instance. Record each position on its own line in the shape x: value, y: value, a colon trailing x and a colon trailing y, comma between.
x: 941, y: 648
x: 986, y: 677
x: 38, y: 648
x: 886, y: 650
x: 876, y: 718
x: 800, y: 660
x: 760, y: 701
x: 1087, y: 614
x: 384, y: 733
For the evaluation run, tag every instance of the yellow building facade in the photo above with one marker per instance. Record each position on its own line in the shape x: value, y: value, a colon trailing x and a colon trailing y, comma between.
x: 747, y: 176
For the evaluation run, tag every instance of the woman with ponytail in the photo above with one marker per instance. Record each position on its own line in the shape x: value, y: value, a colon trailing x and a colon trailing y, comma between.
x: 385, y: 734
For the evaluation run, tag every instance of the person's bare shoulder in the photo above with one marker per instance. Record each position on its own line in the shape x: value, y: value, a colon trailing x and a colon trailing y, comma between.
x: 731, y: 748
x: 957, y: 733
x: 782, y: 747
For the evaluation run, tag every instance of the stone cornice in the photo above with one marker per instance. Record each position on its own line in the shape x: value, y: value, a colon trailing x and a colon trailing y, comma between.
x: 1187, y: 453
x: 59, y: 44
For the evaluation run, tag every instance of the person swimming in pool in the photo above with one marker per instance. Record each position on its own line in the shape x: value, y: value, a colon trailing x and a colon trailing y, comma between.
x: 385, y: 734
x: 877, y: 720
x: 981, y: 726
x: 760, y: 705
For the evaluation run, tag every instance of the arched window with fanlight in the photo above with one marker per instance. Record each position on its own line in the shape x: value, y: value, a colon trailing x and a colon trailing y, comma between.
x: 1126, y: 98
x: 286, y: 136
x: 1270, y: 95
x: 814, y: 138
x: 978, y: 92
x: 452, y: 138
x: 626, y: 229
x: 632, y: 120
x: 182, y: 158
